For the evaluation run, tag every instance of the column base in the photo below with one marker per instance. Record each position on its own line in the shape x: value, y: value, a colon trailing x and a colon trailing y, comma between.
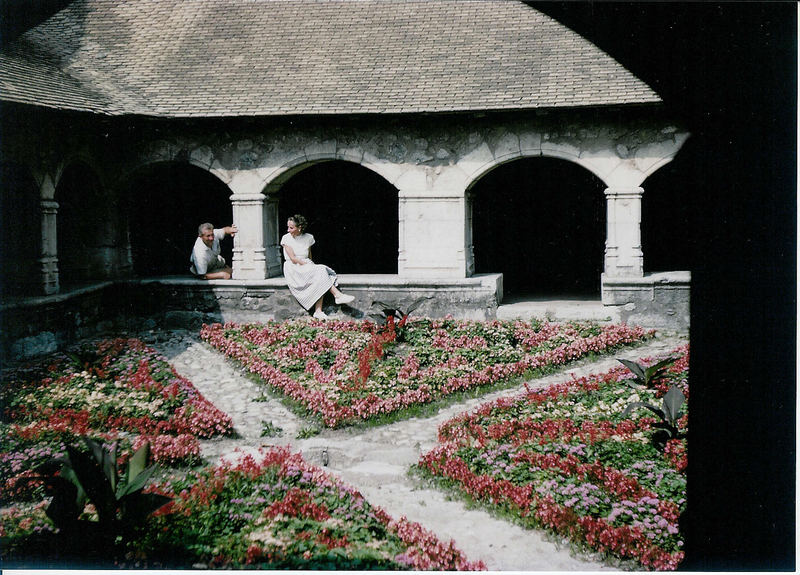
x: 660, y: 300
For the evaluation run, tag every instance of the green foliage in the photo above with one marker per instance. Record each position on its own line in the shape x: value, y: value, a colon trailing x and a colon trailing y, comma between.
x: 387, y: 310
x: 668, y: 413
x: 648, y: 376
x: 269, y: 429
x: 307, y: 432
x: 95, y: 477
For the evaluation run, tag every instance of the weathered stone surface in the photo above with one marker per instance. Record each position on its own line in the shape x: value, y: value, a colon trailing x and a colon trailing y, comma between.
x: 658, y: 300
x: 432, y: 163
x: 40, y: 344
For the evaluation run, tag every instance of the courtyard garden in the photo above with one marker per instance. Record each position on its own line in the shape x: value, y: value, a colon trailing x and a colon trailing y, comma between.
x: 109, y: 435
x: 343, y: 372
x: 599, y: 459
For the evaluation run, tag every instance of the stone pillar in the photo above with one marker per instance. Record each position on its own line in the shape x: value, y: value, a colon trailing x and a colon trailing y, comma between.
x: 469, y: 242
x: 48, y: 256
x: 248, y: 244
x: 623, y: 256
x: 272, y: 235
x: 432, y: 242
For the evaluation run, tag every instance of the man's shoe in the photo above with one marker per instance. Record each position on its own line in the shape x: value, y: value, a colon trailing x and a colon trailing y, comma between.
x: 320, y: 315
x: 342, y: 299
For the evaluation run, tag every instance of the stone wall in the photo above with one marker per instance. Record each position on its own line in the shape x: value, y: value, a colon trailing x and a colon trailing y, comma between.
x: 46, y: 324
x: 432, y: 161
x: 659, y: 300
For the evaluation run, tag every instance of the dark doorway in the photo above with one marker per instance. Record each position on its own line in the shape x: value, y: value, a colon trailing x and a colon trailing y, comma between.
x: 666, y: 214
x: 20, y: 225
x: 352, y: 214
x: 168, y: 201
x: 83, y: 222
x: 541, y: 222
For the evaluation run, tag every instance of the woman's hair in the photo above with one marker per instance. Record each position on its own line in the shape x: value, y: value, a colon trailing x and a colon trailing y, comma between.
x: 299, y: 221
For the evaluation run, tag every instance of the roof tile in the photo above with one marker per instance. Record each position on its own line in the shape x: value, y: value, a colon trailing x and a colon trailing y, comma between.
x: 276, y: 57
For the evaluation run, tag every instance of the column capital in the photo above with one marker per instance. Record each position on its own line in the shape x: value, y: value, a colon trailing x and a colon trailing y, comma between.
x: 247, y: 198
x: 624, y: 192
x: 49, y: 206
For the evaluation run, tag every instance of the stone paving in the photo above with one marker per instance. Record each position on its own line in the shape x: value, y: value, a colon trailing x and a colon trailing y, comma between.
x: 376, y: 460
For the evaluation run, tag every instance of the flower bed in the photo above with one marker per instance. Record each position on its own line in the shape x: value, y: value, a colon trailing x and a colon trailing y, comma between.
x: 566, y: 458
x: 272, y: 511
x: 277, y: 511
x: 117, y: 390
x: 346, y: 371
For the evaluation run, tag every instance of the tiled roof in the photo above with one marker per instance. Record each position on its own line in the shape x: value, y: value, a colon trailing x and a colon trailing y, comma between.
x: 180, y: 58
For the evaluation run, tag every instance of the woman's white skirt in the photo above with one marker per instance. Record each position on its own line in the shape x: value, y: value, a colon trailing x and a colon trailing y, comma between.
x: 308, y: 282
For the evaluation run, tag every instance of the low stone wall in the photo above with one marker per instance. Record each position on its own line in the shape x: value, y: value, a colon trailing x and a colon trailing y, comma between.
x: 658, y: 300
x: 36, y: 326
x: 40, y: 325
x: 189, y: 302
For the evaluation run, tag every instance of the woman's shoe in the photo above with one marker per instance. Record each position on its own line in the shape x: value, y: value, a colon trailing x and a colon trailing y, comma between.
x: 320, y: 315
x: 342, y: 299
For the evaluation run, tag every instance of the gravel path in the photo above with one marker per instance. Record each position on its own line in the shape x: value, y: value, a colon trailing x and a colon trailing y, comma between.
x: 376, y: 460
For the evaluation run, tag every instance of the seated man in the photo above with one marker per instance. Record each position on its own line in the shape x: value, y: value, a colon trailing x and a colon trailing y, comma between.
x: 206, y: 259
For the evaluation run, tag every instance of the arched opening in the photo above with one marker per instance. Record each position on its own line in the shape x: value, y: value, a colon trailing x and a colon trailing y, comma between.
x: 352, y: 214
x: 167, y: 202
x: 20, y: 226
x: 541, y: 222
x: 667, y: 213
x: 85, y: 227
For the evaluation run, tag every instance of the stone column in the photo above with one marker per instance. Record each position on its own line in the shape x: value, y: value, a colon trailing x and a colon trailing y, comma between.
x: 623, y: 256
x: 469, y: 242
x: 248, y: 244
x: 432, y: 242
x: 272, y: 235
x: 48, y: 256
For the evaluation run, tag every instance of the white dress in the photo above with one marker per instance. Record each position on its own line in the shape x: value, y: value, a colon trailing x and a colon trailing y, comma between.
x: 308, y: 282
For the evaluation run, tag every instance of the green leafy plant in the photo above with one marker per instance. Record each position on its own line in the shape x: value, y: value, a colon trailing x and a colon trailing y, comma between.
x: 95, y: 477
x: 387, y: 310
x: 307, y: 432
x: 668, y: 413
x: 648, y: 375
x: 269, y: 429
x: 398, y: 316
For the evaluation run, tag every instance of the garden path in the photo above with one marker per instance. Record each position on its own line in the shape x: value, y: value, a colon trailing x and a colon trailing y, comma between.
x: 376, y: 460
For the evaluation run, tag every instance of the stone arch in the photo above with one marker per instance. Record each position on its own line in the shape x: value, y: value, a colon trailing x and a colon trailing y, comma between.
x: 165, y: 202
x: 297, y: 163
x: 163, y: 151
x: 80, y: 156
x: 565, y: 152
x: 85, y: 228
x: 20, y: 230
x: 540, y: 220
x: 352, y: 210
x: 615, y: 165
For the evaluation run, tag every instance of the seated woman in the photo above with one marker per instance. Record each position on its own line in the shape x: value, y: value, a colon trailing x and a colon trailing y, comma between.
x: 307, y: 281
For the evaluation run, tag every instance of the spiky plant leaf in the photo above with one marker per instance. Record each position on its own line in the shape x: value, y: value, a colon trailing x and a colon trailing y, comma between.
x: 673, y: 401
x: 636, y: 404
x: 635, y: 368
x: 138, y: 461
